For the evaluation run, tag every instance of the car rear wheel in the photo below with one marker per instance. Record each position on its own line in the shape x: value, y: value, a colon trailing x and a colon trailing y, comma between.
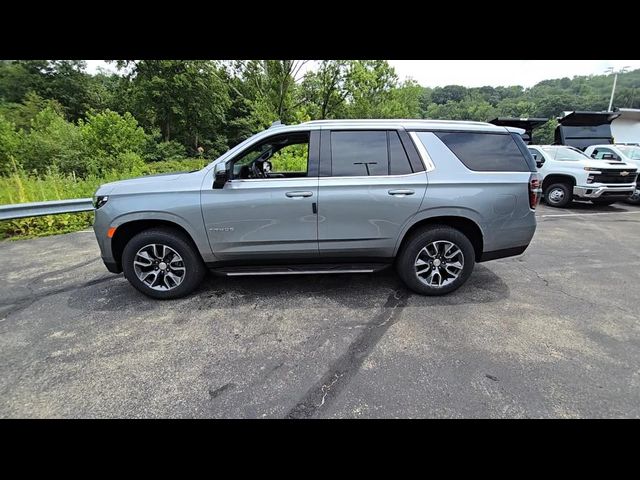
x: 162, y: 264
x: 436, y: 260
x: 558, y: 195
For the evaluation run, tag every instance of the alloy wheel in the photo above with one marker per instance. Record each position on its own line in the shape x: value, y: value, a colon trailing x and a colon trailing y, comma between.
x: 159, y: 267
x: 439, y: 263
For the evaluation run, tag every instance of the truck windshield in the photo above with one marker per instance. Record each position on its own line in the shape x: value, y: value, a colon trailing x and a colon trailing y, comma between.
x: 632, y: 152
x: 565, y: 153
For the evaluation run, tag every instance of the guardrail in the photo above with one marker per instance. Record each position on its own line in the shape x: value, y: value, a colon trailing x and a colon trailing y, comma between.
x: 38, y: 209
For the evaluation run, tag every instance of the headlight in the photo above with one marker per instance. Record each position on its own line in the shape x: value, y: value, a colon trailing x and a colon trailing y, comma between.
x: 99, y: 200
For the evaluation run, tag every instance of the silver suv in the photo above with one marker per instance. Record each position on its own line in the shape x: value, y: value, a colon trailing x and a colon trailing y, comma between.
x: 330, y: 196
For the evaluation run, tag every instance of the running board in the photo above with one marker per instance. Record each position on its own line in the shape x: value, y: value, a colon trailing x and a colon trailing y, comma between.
x: 300, y: 269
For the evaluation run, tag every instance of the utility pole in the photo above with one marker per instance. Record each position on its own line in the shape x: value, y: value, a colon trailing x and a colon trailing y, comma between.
x: 615, y: 80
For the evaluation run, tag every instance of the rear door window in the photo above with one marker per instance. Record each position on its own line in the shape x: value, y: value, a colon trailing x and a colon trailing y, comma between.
x: 359, y: 153
x: 489, y: 152
x: 398, y: 159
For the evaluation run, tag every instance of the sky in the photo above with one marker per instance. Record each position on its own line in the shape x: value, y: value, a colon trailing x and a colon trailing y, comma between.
x: 478, y: 73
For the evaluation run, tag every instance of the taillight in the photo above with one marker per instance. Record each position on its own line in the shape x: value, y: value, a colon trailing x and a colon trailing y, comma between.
x: 534, y: 190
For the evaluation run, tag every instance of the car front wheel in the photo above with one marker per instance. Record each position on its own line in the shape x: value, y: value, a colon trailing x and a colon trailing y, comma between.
x: 436, y: 260
x: 162, y: 264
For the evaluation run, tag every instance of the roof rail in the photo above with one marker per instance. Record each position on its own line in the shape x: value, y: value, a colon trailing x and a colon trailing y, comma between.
x: 391, y: 120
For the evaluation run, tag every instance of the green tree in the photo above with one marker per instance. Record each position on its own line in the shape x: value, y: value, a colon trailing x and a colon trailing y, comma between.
x: 52, y: 141
x: 450, y: 93
x: 270, y: 88
x: 324, y: 90
x: 187, y: 100
x: 9, y: 141
x: 370, y: 85
x: 22, y: 113
x: 113, y: 142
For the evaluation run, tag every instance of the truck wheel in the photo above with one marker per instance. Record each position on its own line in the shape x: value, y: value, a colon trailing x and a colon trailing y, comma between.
x: 162, y: 263
x: 558, y: 195
x: 436, y: 260
x: 635, y: 198
x: 603, y: 201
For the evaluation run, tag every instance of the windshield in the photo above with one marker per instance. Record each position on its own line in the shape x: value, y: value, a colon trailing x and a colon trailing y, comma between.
x: 632, y: 152
x: 565, y: 153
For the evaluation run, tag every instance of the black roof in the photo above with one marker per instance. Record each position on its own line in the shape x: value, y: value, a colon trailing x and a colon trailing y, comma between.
x: 525, y: 123
x: 577, y: 119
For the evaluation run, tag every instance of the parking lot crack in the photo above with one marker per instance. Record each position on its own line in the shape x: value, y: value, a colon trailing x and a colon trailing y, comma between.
x: 343, y: 369
x: 561, y: 290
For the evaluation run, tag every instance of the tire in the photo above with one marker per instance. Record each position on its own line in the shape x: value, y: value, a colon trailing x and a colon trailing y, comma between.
x: 558, y: 195
x: 170, y: 281
x: 634, y: 199
x: 420, y: 248
x: 603, y: 201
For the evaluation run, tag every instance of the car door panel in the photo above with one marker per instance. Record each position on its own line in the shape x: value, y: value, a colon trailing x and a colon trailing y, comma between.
x: 253, y: 218
x: 363, y: 216
x: 265, y: 218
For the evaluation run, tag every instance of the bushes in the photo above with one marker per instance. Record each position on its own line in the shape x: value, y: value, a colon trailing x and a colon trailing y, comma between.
x: 112, y: 142
x: 105, y: 142
x: 55, y: 159
x: 9, y: 141
x: 22, y: 187
x: 52, y: 141
x: 157, y: 151
x: 185, y: 165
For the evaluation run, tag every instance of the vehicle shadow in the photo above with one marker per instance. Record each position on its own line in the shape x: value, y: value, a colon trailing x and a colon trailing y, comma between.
x: 588, y: 207
x: 286, y: 291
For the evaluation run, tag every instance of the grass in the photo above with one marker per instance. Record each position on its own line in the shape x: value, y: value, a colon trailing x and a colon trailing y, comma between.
x: 21, y: 187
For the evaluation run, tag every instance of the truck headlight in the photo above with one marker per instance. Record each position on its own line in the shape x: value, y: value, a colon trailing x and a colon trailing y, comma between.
x: 99, y: 201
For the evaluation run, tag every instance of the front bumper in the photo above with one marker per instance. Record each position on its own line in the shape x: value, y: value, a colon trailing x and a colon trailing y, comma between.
x: 604, y: 191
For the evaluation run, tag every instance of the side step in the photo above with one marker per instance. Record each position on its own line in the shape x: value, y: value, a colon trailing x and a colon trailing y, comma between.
x: 300, y: 269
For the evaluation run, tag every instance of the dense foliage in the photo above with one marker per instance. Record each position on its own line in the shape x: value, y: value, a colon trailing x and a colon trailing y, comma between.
x: 59, y: 123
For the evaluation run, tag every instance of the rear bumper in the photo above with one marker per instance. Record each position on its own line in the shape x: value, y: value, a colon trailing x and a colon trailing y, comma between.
x: 606, y: 191
x: 502, y: 253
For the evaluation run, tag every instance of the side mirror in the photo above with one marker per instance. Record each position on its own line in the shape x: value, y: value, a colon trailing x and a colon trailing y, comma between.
x: 539, y: 163
x: 608, y: 156
x: 220, y: 175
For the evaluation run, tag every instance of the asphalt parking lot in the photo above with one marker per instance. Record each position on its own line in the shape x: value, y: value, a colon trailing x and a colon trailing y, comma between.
x: 552, y: 333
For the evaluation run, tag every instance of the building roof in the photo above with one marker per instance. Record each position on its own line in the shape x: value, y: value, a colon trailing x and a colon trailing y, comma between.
x: 584, y: 118
x: 629, y: 113
x: 525, y: 123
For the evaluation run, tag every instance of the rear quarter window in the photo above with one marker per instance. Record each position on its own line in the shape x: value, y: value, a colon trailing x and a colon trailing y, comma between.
x: 487, y: 152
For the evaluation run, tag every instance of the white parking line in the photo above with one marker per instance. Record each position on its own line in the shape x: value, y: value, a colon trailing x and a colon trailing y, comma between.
x: 583, y: 214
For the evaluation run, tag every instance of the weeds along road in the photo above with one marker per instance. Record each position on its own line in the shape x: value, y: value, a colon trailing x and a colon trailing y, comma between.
x: 553, y: 333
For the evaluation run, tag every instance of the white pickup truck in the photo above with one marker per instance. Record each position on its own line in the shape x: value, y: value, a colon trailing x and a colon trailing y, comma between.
x: 568, y: 174
x: 629, y: 154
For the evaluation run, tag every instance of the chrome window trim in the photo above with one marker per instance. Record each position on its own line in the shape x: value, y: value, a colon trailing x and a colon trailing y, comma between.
x: 241, y: 180
x: 359, y: 177
x: 422, y: 151
x: 364, y: 177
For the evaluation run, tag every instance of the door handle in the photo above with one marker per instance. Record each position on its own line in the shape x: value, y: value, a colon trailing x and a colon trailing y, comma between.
x: 401, y: 193
x: 298, y: 194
